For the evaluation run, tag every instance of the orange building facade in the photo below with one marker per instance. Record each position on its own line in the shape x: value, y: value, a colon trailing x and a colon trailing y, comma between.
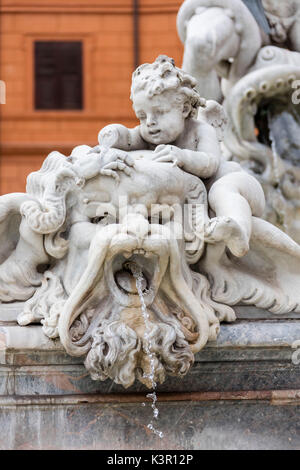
x: 111, y: 44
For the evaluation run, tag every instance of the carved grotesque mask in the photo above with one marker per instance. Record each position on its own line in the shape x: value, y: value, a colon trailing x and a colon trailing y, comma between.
x: 105, y: 265
x: 114, y: 273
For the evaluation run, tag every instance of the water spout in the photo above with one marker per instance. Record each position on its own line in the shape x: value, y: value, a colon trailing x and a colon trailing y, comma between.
x: 139, y: 278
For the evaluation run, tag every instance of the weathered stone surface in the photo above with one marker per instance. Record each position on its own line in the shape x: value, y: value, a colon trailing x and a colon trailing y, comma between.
x: 186, y: 425
x: 246, y: 356
x: 236, y: 376
x: 48, y: 400
x: 9, y: 312
x: 253, y: 313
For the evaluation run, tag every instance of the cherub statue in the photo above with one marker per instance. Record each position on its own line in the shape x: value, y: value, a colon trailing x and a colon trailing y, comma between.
x: 110, y: 279
x: 166, y: 103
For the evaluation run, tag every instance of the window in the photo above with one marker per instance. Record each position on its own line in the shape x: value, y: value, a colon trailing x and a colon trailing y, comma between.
x: 58, y: 75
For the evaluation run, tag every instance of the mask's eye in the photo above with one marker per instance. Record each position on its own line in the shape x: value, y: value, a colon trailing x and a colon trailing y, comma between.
x: 98, y: 220
x: 101, y: 213
x: 105, y: 219
x: 161, y: 215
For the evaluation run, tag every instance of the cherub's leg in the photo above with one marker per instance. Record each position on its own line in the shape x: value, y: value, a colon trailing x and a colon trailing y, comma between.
x: 234, y: 198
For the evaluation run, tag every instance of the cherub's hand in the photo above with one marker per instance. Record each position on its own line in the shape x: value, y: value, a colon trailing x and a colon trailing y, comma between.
x: 105, y: 162
x: 169, y: 153
x: 116, y: 160
x: 108, y: 137
x: 87, y: 165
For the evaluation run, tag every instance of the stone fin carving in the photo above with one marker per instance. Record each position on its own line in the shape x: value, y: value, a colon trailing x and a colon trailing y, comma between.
x: 267, y: 278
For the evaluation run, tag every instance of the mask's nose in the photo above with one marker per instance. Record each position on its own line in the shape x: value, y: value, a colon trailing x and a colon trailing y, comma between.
x: 137, y: 226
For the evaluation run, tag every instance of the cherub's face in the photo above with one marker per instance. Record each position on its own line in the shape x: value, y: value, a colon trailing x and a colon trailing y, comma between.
x: 162, y: 120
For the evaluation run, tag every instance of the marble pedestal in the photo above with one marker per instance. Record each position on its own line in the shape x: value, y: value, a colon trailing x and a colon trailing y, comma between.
x: 243, y: 392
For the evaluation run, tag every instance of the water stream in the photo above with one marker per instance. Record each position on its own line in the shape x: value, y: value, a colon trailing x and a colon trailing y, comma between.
x: 139, y: 278
x: 276, y: 174
x: 275, y: 166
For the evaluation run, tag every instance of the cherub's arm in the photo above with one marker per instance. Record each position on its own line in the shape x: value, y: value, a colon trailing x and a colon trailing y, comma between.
x: 120, y: 137
x: 203, y: 162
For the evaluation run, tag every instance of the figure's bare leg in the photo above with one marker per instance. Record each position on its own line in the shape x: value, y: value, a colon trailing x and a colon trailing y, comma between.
x: 234, y: 232
x: 234, y: 198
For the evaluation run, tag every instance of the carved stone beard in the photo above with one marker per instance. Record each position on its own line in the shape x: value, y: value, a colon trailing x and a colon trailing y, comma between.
x: 104, y: 321
x: 119, y: 352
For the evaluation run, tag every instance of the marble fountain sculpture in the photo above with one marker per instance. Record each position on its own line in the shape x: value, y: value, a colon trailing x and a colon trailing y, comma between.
x: 246, y: 55
x: 133, y: 252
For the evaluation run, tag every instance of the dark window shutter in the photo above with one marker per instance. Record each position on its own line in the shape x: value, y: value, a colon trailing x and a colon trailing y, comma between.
x: 58, y: 75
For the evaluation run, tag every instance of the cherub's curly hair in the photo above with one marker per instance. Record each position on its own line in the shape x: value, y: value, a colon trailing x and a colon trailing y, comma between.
x: 162, y: 75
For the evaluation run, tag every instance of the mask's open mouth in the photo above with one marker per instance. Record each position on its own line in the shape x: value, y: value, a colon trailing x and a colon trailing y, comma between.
x: 126, y: 278
x: 123, y: 271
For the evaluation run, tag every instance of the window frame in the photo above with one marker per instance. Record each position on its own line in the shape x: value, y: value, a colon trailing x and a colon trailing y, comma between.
x: 58, y: 51
x: 87, y: 74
